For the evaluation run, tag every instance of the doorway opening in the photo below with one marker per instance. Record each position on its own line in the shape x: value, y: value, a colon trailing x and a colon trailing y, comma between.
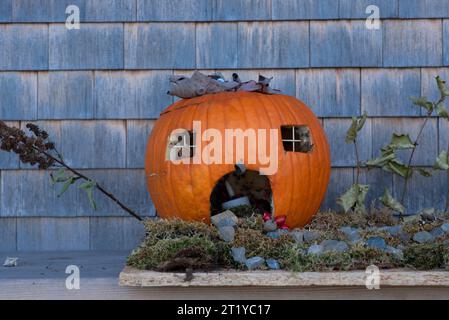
x: 239, y: 189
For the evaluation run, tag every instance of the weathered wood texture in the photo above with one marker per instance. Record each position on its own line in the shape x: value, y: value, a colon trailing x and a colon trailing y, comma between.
x: 99, y: 89
x: 229, y: 278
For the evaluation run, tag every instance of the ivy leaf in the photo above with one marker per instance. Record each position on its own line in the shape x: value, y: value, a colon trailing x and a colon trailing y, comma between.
x: 382, y: 160
x: 354, y: 198
x: 351, y: 135
x: 442, y: 111
x: 423, y: 103
x: 390, y: 202
x: 89, y: 187
x: 442, y: 87
x: 401, y: 141
x: 399, y: 168
x: 67, y: 184
x: 361, y: 122
x: 442, y: 162
x: 356, y: 126
x: 424, y: 173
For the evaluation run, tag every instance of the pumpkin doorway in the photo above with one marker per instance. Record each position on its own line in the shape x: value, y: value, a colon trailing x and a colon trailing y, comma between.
x: 242, y: 189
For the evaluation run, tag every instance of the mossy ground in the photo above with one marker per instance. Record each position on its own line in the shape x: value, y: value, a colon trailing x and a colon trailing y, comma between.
x: 176, y: 245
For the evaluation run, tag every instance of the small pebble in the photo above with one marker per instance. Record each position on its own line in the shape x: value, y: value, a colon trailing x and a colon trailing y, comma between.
x: 423, y: 237
x: 254, y: 263
x: 376, y: 242
x: 238, y: 254
x: 310, y: 236
x: 226, y: 234
x: 273, y: 264
x: 270, y: 226
x: 315, y: 249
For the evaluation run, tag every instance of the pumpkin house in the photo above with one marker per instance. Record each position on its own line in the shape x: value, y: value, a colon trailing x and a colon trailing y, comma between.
x: 212, y: 152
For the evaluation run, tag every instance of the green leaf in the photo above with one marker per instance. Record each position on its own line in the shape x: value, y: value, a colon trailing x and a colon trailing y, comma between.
x: 401, y: 141
x: 441, y: 162
x: 442, y: 87
x: 399, y: 168
x: 442, y: 111
x: 390, y: 202
x: 89, y: 187
x: 59, y: 176
x: 361, y: 122
x: 424, y: 173
x: 382, y: 160
x: 354, y: 198
x: 423, y: 103
x: 67, y: 184
x: 356, y: 126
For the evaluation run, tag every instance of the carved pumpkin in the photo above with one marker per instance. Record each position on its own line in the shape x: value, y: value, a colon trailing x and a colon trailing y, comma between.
x: 298, y: 186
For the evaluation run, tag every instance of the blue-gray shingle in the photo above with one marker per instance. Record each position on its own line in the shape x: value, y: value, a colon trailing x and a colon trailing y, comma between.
x: 138, y: 132
x: 160, y: 46
x: 52, y: 234
x: 342, y: 153
x: 304, y: 9
x: 330, y: 92
x: 216, y: 45
x: 427, y: 149
x: 412, y: 43
x: 23, y: 47
x: 8, y: 234
x: 341, y: 180
x: 273, y: 44
x: 115, y: 233
x: 344, y: 44
x: 359, y: 9
x: 93, y: 46
x: 174, y: 10
x: 131, y: 94
x: 18, y: 95
x: 387, y: 92
x: 94, y: 144
x: 45, y: 10
x: 66, y: 95
x: 423, y: 9
x: 228, y: 10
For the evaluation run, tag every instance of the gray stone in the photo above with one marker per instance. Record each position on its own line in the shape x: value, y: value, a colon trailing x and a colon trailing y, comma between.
x: 310, y: 236
x: 270, y: 226
x: 224, y: 219
x: 395, y: 231
x: 254, y: 262
x: 423, y: 237
x: 315, y: 249
x: 445, y: 227
x: 404, y: 236
x: 226, y: 233
x: 376, y: 242
x: 352, y: 234
x: 273, y: 264
x: 437, y: 232
x: 394, y: 251
x: 273, y: 234
x: 238, y: 254
x: 334, y: 245
x: 298, y: 236
x: 428, y: 214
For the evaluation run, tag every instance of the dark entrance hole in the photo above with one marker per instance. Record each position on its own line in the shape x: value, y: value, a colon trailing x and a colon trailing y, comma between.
x: 233, y: 187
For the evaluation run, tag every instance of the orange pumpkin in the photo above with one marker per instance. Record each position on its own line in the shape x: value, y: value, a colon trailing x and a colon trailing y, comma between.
x: 297, y: 187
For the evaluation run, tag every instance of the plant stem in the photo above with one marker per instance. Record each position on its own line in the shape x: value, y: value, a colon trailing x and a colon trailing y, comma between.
x: 358, y: 162
x: 446, y: 207
x: 409, y: 173
x: 99, y: 187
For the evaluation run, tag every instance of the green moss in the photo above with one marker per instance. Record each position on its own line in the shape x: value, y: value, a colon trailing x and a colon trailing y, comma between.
x: 426, y: 256
x: 175, y: 243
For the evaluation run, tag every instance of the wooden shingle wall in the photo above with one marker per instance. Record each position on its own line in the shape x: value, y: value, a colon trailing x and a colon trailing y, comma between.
x: 98, y: 90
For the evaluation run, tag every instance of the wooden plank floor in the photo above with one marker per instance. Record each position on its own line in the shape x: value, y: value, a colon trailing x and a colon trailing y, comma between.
x: 42, y: 276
